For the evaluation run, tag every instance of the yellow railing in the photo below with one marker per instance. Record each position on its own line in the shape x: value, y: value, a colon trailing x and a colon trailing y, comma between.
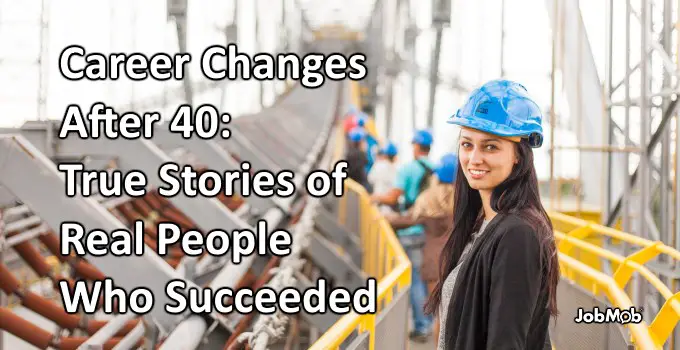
x: 639, y: 331
x: 383, y: 258
x: 336, y: 32
x: 573, y: 242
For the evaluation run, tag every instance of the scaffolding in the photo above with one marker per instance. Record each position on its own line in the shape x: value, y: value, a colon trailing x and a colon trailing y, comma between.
x: 24, y: 62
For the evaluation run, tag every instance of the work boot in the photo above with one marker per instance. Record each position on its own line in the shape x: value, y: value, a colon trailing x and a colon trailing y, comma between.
x: 419, y: 337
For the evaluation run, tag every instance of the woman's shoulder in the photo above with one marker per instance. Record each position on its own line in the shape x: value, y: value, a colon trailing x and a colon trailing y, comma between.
x: 518, y: 230
x: 516, y: 221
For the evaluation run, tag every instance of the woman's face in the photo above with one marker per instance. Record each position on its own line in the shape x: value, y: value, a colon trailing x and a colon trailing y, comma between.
x: 486, y: 160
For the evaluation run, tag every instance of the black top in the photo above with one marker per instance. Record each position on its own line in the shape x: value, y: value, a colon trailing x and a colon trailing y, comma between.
x: 500, y: 300
x: 356, y: 164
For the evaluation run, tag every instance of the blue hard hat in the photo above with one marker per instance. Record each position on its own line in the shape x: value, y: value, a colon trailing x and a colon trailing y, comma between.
x: 503, y: 108
x: 447, y: 168
x: 357, y: 134
x: 361, y: 119
x: 422, y: 137
x: 390, y: 149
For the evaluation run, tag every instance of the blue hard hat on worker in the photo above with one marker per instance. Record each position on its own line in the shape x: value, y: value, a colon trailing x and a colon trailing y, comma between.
x: 447, y: 168
x: 360, y: 118
x: 503, y: 108
x: 390, y: 149
x: 357, y: 134
x: 422, y: 137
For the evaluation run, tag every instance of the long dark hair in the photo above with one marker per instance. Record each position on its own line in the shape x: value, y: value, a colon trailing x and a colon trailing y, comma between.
x: 518, y: 194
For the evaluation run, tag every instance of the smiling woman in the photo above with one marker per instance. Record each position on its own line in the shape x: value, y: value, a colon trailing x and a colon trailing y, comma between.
x: 499, y: 265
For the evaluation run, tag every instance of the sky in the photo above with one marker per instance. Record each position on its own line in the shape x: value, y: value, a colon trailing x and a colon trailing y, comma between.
x: 471, y: 52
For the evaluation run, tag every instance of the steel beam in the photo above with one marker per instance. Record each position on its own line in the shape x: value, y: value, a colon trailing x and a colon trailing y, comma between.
x: 440, y: 18
x: 213, y: 156
x: 145, y: 156
x: 245, y: 149
x: 581, y: 85
x: 339, y: 267
x: 639, y: 285
x: 34, y: 179
x: 328, y: 226
x: 178, y: 11
x: 130, y: 339
x: 6, y: 198
x: 97, y: 340
x: 656, y: 137
x: 321, y: 321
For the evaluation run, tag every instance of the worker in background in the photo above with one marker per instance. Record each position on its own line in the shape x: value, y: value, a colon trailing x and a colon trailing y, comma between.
x: 500, y: 269
x: 372, y: 144
x: 356, y: 157
x: 412, y: 178
x: 382, y: 174
x: 350, y: 121
x: 434, y: 210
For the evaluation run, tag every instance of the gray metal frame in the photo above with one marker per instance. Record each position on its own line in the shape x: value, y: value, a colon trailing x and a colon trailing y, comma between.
x: 340, y: 267
x: 34, y: 179
x: 142, y: 155
x: 650, y: 187
x: 333, y: 231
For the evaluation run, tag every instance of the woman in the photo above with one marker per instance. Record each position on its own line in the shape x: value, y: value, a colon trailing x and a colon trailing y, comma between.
x: 434, y: 210
x: 499, y: 267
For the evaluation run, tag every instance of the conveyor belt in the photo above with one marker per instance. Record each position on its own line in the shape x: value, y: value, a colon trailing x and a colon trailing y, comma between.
x: 291, y: 135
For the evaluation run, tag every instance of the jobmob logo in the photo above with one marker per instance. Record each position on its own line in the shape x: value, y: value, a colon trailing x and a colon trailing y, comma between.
x: 609, y: 315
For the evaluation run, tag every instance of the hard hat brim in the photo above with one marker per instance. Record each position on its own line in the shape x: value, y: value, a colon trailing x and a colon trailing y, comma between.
x: 534, y: 136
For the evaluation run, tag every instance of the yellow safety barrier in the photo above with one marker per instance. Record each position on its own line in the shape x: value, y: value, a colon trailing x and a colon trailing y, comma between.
x: 642, y: 338
x: 668, y: 316
x: 383, y: 258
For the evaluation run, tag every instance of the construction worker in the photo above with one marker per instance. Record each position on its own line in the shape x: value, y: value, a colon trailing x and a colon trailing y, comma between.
x: 434, y: 210
x: 372, y: 144
x: 356, y: 156
x: 350, y: 121
x: 497, y: 289
x: 382, y: 174
x: 411, y: 180
x: 434, y: 207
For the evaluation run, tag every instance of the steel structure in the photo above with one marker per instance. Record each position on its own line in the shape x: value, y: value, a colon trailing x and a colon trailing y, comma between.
x: 42, y: 196
x: 23, y: 62
x: 639, y: 88
x: 35, y: 212
x: 636, y: 115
